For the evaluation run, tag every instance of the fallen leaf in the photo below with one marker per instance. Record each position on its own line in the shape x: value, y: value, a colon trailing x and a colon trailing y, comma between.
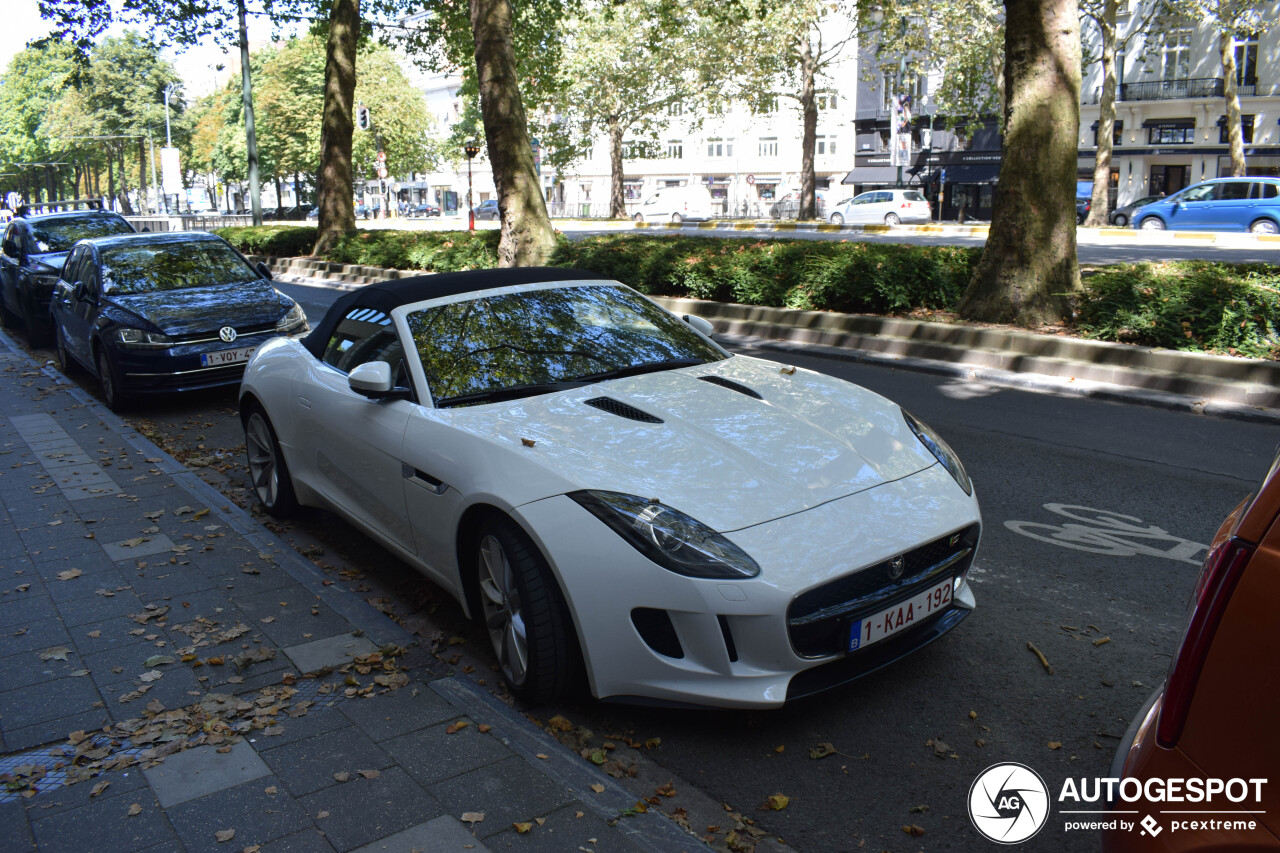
x: 598, y: 788
x: 56, y: 653
x: 777, y: 802
x: 539, y: 820
x: 135, y: 810
x: 822, y: 750
x: 472, y: 817
x: 225, y: 834
x: 153, y: 675
x: 559, y: 724
x: 543, y: 756
x: 780, y: 748
x: 1044, y: 661
x: 918, y: 809
x: 522, y: 828
x: 94, y: 634
x: 69, y: 574
x: 973, y: 715
x: 342, y: 777
x: 941, y: 748
x: 99, y: 788
x: 321, y: 815
x: 270, y: 789
x: 1054, y: 744
x: 913, y: 830
x: 1101, y: 640
x: 454, y: 728
x: 370, y: 774
x: 484, y: 728
x: 653, y: 743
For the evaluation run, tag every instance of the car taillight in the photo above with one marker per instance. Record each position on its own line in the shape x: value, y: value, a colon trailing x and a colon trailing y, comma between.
x: 1222, y: 570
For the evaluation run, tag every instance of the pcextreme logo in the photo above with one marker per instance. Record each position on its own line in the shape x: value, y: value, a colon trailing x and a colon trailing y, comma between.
x: 1009, y: 803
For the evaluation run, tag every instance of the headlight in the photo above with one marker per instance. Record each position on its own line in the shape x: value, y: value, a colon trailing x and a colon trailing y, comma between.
x: 940, y: 449
x: 668, y: 537
x: 292, y: 319
x: 138, y: 339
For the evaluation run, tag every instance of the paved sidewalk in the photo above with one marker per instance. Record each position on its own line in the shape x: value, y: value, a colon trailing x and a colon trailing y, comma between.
x: 174, y: 677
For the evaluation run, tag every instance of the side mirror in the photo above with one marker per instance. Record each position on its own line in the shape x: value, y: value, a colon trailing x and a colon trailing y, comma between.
x: 80, y: 292
x: 373, y: 380
x: 699, y: 324
x: 264, y: 271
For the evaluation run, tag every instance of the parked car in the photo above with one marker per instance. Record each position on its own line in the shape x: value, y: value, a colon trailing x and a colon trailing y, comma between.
x: 1083, y: 206
x: 314, y: 213
x: 676, y: 204
x: 487, y: 209
x: 888, y: 206
x: 612, y: 493
x: 424, y: 209
x: 152, y: 313
x: 1214, y: 717
x: 788, y: 206
x: 1122, y: 216
x: 31, y: 257
x: 1225, y: 204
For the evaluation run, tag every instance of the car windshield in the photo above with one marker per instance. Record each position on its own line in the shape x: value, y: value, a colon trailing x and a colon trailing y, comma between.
x: 60, y: 234
x: 152, y: 267
x: 508, y: 345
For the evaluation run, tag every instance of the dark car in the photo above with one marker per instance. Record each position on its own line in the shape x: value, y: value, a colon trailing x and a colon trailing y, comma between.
x: 152, y: 313
x: 1122, y: 216
x: 1083, y: 206
x: 424, y: 209
x: 487, y: 209
x: 31, y: 257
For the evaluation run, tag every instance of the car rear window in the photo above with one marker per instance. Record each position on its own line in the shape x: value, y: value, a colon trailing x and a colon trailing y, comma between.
x: 1266, y: 191
x: 912, y: 195
x: 152, y: 267
x: 59, y: 234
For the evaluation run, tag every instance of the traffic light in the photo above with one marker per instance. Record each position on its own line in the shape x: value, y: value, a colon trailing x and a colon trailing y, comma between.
x: 363, y: 119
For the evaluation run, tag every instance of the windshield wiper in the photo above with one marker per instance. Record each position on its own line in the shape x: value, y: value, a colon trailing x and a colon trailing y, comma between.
x: 637, y: 369
x: 512, y: 392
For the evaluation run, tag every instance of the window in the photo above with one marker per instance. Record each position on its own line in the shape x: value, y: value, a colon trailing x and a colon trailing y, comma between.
x: 635, y: 150
x: 825, y: 145
x: 1247, y: 62
x: 769, y: 105
x: 1177, y: 55
x: 717, y: 148
x: 1265, y: 191
x: 1232, y: 191
x: 768, y: 146
x: 675, y: 149
x: 1246, y: 130
x: 1171, y: 135
x: 828, y: 101
x: 364, y: 335
x: 675, y: 109
x: 1117, y: 132
x: 887, y: 80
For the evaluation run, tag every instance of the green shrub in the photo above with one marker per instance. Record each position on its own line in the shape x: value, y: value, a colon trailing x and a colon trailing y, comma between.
x: 438, y: 251
x: 284, y: 241
x: 1187, y: 305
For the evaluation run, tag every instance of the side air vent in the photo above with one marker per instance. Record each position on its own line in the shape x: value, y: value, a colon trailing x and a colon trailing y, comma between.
x: 731, y: 385
x: 622, y: 410
x: 656, y: 630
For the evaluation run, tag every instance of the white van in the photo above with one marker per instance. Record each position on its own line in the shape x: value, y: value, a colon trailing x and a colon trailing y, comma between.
x: 676, y: 204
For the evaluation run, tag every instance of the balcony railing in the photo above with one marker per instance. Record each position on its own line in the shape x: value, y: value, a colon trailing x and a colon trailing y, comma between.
x: 1165, y: 90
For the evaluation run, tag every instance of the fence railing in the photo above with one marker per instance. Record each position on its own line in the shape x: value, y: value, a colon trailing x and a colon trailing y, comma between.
x: 1166, y: 90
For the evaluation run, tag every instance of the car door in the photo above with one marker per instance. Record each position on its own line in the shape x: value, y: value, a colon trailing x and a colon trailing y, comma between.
x: 1228, y: 210
x: 79, y: 308
x: 352, y: 445
x: 860, y: 209
x: 1192, y: 207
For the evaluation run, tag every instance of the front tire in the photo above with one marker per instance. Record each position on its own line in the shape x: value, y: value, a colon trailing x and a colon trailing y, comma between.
x: 524, y: 613
x: 109, y: 379
x: 1264, y: 226
x: 891, y: 219
x: 1152, y: 223
x: 267, y: 469
x: 676, y: 219
x: 1121, y: 220
x: 639, y: 217
x: 837, y: 219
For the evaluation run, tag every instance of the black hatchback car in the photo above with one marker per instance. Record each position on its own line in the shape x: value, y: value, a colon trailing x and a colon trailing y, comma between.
x: 31, y: 257
x: 150, y: 313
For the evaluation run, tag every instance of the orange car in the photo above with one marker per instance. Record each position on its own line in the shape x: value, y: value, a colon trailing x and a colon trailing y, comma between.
x: 1205, y: 750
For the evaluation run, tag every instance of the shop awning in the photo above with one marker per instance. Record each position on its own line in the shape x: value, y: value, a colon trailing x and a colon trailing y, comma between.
x: 973, y: 173
x: 872, y: 175
x: 1170, y: 122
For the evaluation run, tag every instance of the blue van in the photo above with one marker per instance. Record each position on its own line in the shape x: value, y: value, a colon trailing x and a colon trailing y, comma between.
x: 1225, y: 204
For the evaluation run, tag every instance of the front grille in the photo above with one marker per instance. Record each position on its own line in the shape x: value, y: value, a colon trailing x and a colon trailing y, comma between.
x: 210, y: 336
x: 818, y: 620
x: 622, y: 410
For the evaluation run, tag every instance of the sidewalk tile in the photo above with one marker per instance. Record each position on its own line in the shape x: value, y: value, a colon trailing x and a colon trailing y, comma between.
x: 318, y: 721
x: 406, y: 710
x: 335, y: 651
x: 308, y: 765
x: 564, y: 831
x: 432, y: 755
x: 26, y: 669
x: 255, y: 815
x: 22, y: 608
x: 189, y: 775
x: 308, y: 841
x: 54, y: 730
x: 150, y: 545
x: 13, y: 827
x: 95, y: 608
x: 86, y: 828
x: 177, y: 689
x: 123, y: 783
x: 86, y: 586
x: 506, y: 792
x: 365, y: 810
x: 445, y: 834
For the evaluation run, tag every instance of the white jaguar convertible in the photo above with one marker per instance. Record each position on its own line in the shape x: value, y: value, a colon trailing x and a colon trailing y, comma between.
x: 623, y: 503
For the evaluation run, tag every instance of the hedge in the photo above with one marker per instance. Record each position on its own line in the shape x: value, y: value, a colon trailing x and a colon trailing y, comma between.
x: 1186, y: 305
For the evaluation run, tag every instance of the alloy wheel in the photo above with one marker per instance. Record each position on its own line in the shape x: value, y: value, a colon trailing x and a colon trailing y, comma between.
x: 264, y: 463
x: 1264, y: 226
x: 1151, y: 223
x: 891, y: 219
x: 503, y: 616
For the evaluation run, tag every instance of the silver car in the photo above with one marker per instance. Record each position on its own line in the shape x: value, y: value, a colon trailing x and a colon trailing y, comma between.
x: 891, y: 207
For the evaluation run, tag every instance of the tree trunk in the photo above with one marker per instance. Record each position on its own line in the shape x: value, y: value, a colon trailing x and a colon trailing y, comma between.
x: 809, y: 139
x: 111, y: 178
x: 125, y: 205
x: 1028, y: 269
x: 527, y: 236
x: 1100, y: 205
x: 1232, y: 93
x: 617, y: 202
x: 334, y: 194
x: 143, y: 203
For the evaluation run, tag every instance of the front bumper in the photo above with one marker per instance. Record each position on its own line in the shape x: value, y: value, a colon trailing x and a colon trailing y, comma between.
x: 179, y: 368
x: 728, y: 643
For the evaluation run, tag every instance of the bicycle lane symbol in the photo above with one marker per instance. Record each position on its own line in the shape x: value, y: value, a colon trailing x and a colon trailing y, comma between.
x: 1100, y: 531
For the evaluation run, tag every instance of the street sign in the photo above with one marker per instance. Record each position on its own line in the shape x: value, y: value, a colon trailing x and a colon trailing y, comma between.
x: 382, y: 171
x: 382, y: 156
x: 171, y: 171
x: 751, y: 179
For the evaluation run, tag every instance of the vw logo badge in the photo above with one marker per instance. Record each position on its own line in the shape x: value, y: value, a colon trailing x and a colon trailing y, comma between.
x: 227, y: 334
x: 896, y: 567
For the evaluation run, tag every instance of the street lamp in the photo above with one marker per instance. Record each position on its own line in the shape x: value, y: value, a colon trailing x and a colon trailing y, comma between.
x: 471, y: 149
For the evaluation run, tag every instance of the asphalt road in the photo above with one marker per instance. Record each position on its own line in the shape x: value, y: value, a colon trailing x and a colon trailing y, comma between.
x: 1148, y: 487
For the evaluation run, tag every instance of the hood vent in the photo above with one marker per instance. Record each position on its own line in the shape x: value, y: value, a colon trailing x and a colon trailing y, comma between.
x: 731, y: 385
x: 622, y: 410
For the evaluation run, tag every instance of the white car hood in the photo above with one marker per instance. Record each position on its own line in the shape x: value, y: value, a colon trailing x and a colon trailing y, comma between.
x: 722, y: 456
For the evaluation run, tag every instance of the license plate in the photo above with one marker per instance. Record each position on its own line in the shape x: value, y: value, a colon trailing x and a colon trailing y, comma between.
x: 226, y: 356
x: 898, y: 616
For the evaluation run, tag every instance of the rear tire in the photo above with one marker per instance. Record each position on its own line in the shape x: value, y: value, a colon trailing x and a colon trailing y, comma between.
x: 37, y: 335
x: 1152, y: 223
x: 639, y: 217
x: 66, y: 363
x: 891, y: 219
x: 1264, y: 226
x: 524, y: 614
x: 676, y: 219
x: 837, y: 219
x: 109, y: 379
x: 268, y: 472
x: 1121, y: 220
x: 8, y: 319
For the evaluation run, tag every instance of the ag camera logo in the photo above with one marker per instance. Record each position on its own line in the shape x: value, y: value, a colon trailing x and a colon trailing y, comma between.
x: 1008, y: 803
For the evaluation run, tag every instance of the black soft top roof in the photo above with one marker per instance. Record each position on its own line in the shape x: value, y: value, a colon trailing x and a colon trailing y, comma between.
x: 385, y: 296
